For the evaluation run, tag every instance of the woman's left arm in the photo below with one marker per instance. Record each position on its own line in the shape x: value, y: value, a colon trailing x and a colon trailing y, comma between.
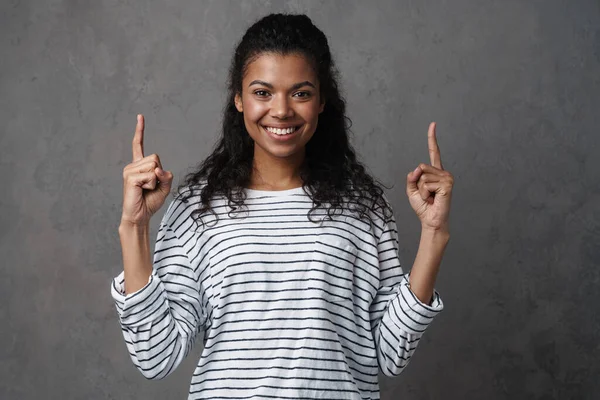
x: 427, y: 263
x: 402, y: 311
x: 429, y: 191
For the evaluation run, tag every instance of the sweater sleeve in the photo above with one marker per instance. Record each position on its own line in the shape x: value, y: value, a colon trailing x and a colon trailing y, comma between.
x: 398, y: 317
x: 161, y: 320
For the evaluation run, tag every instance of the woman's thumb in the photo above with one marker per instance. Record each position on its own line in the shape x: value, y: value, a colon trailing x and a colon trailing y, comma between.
x: 411, y: 182
x: 164, y: 177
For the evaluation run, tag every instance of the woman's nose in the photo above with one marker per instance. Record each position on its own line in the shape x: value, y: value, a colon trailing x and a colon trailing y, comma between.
x: 281, y: 107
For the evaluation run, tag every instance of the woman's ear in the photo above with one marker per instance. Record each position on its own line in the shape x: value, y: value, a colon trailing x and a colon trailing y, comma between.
x: 322, y: 107
x: 238, y: 102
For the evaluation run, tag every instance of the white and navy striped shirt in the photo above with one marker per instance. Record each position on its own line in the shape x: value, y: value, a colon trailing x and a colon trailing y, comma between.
x: 287, y: 308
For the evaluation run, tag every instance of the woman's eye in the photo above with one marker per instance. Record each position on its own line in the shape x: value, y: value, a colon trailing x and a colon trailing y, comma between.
x: 302, y: 94
x: 261, y: 93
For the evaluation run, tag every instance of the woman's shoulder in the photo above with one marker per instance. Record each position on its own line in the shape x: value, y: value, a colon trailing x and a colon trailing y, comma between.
x: 378, y: 206
x: 180, y: 208
x: 367, y: 213
x: 380, y: 213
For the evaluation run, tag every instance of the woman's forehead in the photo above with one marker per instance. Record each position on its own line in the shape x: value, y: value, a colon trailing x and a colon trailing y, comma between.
x: 278, y: 69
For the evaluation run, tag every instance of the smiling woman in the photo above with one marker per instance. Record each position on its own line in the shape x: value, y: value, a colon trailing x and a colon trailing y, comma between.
x: 282, y: 75
x: 281, y: 103
x: 288, y: 307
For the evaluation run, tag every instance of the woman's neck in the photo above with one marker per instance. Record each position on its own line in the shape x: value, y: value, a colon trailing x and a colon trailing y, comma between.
x: 275, y: 173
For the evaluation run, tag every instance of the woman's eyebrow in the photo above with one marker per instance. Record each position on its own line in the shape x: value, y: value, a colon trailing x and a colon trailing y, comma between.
x: 294, y: 86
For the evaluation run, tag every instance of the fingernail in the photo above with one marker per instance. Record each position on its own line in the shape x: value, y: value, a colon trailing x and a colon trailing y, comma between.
x: 415, y: 171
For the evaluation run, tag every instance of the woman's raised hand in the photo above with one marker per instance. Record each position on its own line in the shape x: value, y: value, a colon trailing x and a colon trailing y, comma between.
x: 143, y: 173
x: 429, y: 188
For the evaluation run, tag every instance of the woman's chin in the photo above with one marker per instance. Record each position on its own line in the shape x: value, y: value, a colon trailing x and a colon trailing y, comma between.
x: 281, y: 151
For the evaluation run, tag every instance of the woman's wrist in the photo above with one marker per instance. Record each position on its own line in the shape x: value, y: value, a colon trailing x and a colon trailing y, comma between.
x: 436, y: 233
x: 129, y: 227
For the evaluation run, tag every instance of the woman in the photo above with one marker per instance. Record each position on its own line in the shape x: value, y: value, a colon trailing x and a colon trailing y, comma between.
x: 281, y: 250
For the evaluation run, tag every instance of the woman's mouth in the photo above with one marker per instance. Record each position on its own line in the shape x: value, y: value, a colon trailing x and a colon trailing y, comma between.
x: 282, y: 133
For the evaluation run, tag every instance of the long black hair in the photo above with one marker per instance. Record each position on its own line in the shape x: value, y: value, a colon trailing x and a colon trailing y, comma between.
x: 330, y: 169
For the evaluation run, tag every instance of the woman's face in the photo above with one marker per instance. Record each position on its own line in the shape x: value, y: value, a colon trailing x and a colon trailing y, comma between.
x: 281, y: 104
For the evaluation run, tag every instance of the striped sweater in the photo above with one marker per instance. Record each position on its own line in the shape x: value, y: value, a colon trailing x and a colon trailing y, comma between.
x: 287, y: 308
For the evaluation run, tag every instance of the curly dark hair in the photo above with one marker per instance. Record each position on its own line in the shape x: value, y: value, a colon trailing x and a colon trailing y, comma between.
x: 330, y: 169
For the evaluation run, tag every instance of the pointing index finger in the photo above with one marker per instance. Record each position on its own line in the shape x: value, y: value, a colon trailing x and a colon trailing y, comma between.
x: 434, y: 149
x: 138, y: 139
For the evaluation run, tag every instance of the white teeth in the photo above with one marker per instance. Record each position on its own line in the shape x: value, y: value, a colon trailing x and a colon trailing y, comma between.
x: 278, y: 131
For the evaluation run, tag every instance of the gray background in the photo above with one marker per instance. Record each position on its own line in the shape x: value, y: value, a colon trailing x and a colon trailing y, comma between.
x: 513, y: 85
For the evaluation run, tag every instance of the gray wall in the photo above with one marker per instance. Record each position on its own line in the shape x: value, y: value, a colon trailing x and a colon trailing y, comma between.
x: 514, y: 87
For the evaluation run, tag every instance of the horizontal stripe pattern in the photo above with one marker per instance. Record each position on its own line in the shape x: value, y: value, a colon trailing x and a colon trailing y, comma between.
x: 286, y: 307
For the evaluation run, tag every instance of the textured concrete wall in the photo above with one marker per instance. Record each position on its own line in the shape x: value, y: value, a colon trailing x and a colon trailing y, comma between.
x: 513, y: 85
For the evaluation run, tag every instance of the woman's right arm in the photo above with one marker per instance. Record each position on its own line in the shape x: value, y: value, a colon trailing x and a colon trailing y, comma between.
x: 159, y: 301
x: 161, y: 312
x: 137, y: 263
